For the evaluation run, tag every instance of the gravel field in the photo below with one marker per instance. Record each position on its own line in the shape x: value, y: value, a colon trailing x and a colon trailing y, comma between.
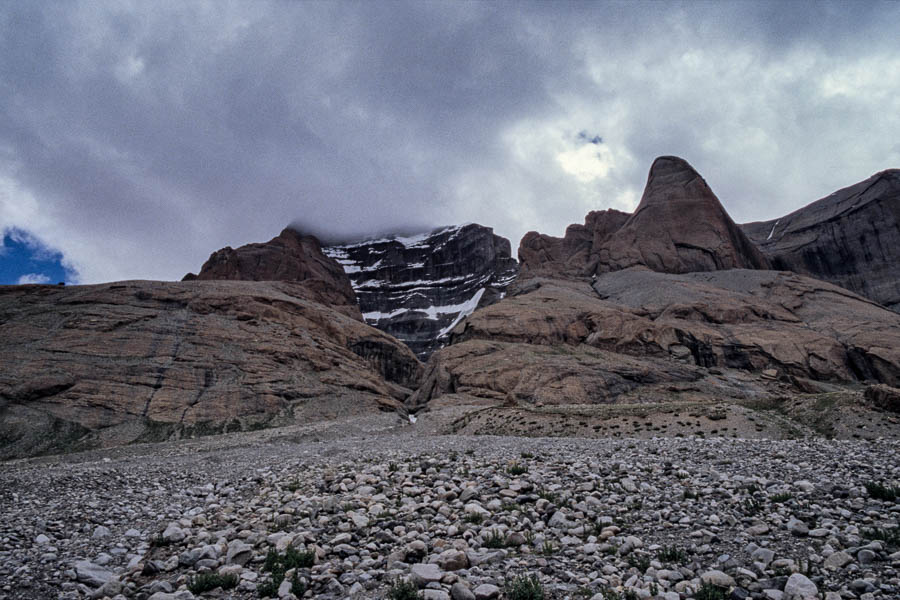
x: 370, y: 504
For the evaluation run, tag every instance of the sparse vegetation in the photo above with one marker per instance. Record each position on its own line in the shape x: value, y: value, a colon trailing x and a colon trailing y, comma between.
x: 781, y: 498
x: 516, y: 468
x: 402, y: 590
x: 474, y: 518
x: 205, y: 582
x: 278, y: 564
x: 891, y: 537
x: 879, y: 491
x: 709, y: 591
x: 639, y: 561
x: 495, y: 539
x: 524, y: 587
x: 671, y: 554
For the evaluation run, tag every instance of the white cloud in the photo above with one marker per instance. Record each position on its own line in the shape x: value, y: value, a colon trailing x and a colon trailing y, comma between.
x: 33, y: 278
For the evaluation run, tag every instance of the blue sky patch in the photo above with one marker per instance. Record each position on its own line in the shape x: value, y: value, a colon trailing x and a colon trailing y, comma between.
x: 23, y: 259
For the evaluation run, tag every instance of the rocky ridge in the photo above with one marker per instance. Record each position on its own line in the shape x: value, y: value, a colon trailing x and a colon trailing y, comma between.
x: 850, y: 238
x: 417, y: 288
x: 115, y: 363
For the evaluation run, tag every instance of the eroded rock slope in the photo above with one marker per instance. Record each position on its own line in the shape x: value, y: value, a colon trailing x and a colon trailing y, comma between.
x: 138, y: 360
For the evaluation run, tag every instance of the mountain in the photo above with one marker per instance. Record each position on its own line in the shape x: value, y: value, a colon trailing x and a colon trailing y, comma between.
x: 850, y: 238
x: 419, y: 288
x: 99, y: 365
x: 662, y: 315
x: 679, y: 227
x: 290, y: 256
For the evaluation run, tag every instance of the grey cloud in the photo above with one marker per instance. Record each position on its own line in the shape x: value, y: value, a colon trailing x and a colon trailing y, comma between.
x: 149, y: 135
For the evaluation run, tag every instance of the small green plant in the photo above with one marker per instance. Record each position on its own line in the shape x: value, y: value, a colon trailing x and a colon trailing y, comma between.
x: 392, y: 467
x: 752, y: 506
x: 495, y: 539
x: 781, y: 498
x: 509, y: 506
x: 529, y: 537
x: 474, y: 518
x: 690, y: 495
x: 527, y: 455
x: 547, y: 548
x: 641, y: 562
x: 891, y: 537
x: 205, y: 582
x: 277, y: 564
x: 402, y: 590
x: 671, y: 554
x: 524, y: 587
x: 516, y: 469
x: 879, y: 491
x: 298, y: 588
x: 709, y: 591
x: 292, y: 486
x: 550, y: 497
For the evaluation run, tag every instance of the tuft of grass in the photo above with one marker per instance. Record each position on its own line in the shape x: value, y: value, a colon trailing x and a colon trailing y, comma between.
x: 515, y: 468
x: 752, y: 506
x: 474, y: 518
x: 547, y: 549
x: 890, y: 537
x: 641, y: 562
x: 205, y: 582
x: 402, y: 590
x: 879, y: 491
x: 671, y: 554
x: 709, y: 591
x: 527, y: 455
x: 550, y: 497
x: 524, y: 587
x: 495, y: 539
x: 393, y: 468
x: 293, y: 486
x: 781, y: 498
x: 277, y: 564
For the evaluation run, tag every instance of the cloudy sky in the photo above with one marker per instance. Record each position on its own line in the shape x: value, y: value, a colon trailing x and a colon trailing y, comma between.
x: 138, y: 137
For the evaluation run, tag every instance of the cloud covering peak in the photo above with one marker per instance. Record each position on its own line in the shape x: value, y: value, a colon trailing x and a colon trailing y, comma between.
x: 137, y: 137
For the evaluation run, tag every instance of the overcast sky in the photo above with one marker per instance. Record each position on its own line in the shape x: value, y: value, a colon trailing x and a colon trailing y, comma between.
x: 138, y: 137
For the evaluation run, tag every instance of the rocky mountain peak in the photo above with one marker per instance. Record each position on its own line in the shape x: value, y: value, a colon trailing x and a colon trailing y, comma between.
x: 679, y: 227
x: 290, y: 256
x: 417, y: 288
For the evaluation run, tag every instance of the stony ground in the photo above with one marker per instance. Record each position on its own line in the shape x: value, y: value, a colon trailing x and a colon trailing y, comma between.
x: 457, y: 516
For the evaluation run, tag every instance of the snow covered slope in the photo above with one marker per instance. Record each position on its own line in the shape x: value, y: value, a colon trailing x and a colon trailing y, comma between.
x: 419, y: 288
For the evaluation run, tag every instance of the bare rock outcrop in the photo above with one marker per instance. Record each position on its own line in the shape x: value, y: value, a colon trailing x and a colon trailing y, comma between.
x: 82, y: 366
x: 290, y: 256
x: 850, y: 238
x: 679, y: 227
x: 573, y: 255
x: 647, y: 335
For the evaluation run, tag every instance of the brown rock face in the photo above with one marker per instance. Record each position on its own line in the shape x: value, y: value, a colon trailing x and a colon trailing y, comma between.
x: 106, y: 364
x: 850, y: 238
x: 291, y: 256
x: 679, y: 227
x: 573, y: 255
x: 646, y: 336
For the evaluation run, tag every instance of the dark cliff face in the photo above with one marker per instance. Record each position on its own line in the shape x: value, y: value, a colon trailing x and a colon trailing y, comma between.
x: 850, y: 238
x: 419, y: 288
